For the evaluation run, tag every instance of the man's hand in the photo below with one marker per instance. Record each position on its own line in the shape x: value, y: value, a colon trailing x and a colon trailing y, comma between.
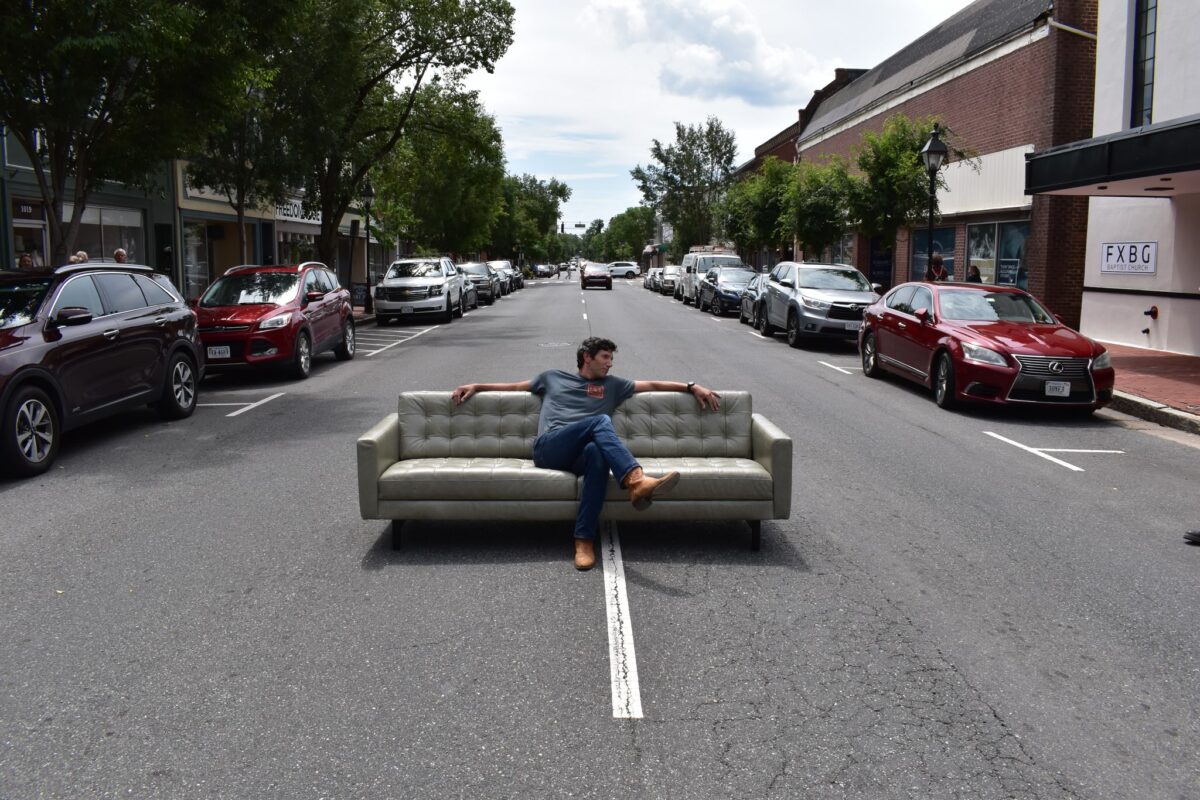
x: 460, y: 395
x: 707, y: 398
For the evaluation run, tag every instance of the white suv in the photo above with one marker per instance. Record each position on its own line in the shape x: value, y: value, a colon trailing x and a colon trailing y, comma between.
x: 624, y: 269
x: 419, y: 287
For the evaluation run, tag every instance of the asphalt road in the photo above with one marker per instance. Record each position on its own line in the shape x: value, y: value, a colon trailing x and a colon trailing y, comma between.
x: 195, y: 609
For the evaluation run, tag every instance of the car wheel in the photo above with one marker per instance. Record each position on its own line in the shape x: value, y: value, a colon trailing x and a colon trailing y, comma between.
x: 179, y: 389
x: 629, y: 274
x: 794, y: 337
x: 302, y: 357
x: 475, y: 304
x: 345, y: 350
x: 741, y: 313
x: 764, y: 325
x: 448, y: 314
x: 31, y: 433
x: 943, y: 382
x: 716, y: 308
x: 382, y: 320
x: 870, y: 356
x: 608, y: 286
x: 458, y: 307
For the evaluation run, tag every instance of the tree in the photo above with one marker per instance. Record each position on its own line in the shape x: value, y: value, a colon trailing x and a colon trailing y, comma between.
x: 109, y: 90
x: 527, y: 227
x: 363, y: 71
x: 753, y: 210
x: 817, y: 203
x: 687, y: 180
x: 628, y: 233
x: 594, y: 241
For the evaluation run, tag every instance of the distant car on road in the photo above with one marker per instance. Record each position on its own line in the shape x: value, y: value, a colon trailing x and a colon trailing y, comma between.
x: 484, y: 278
x: 672, y: 276
x: 595, y: 275
x: 624, y: 269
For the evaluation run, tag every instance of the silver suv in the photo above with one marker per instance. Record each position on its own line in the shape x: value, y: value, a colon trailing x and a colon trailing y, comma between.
x: 815, y: 301
x: 415, y: 287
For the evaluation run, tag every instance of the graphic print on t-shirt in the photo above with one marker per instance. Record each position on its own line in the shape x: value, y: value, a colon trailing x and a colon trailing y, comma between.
x: 596, y: 390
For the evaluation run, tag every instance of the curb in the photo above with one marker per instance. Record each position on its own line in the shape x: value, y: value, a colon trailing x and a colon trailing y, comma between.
x: 1155, y: 412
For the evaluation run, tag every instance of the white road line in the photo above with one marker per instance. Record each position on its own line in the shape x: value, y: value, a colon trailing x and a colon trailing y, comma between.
x: 209, y: 405
x: 256, y: 405
x: 402, y: 341
x: 622, y: 660
x: 1036, y: 452
x: 1065, y: 450
x: 585, y: 316
x: 839, y: 369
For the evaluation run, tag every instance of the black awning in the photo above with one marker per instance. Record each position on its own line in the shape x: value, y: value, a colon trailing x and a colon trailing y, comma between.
x: 1161, y: 160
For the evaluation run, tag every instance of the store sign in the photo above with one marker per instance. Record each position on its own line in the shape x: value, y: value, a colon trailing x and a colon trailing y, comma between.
x: 1129, y: 258
x: 293, y: 210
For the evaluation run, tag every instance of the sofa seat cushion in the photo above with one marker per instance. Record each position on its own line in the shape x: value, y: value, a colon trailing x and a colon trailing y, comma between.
x: 474, y: 479
x: 711, y: 478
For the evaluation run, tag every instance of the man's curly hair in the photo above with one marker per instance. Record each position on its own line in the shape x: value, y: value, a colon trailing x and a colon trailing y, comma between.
x: 593, y: 345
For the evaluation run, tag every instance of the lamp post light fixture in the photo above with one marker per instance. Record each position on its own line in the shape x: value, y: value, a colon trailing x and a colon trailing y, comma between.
x: 367, y: 196
x: 933, y: 154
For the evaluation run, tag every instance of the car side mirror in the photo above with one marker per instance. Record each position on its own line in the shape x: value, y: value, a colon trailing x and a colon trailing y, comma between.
x: 313, y: 295
x: 788, y: 283
x: 73, y: 315
x: 877, y: 288
x: 923, y: 315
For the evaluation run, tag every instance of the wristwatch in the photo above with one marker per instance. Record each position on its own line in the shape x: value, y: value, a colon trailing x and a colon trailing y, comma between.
x: 691, y: 385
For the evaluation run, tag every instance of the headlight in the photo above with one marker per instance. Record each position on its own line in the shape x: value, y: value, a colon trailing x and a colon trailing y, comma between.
x: 983, y: 355
x: 277, y: 321
x: 1102, y: 361
x: 813, y: 303
x: 436, y: 288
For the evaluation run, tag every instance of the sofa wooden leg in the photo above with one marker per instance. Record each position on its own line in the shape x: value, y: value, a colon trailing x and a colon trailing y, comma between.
x: 755, y: 534
x: 397, y: 526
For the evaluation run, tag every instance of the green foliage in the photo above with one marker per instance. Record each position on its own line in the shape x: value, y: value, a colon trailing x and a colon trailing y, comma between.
x: 628, y: 233
x: 816, y: 203
x: 101, y: 90
x: 527, y: 227
x: 753, y: 210
x: 687, y: 180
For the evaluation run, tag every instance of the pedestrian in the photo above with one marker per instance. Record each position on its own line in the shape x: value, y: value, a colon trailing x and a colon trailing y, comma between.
x: 973, y: 275
x: 81, y: 256
x: 575, y: 432
x: 25, y: 262
x: 120, y: 256
x: 72, y: 259
x: 935, y: 271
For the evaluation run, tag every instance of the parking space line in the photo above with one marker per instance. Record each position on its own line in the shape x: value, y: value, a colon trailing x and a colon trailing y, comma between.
x: 1041, y: 452
x: 622, y: 660
x: 401, y: 341
x: 842, y: 370
x: 256, y: 405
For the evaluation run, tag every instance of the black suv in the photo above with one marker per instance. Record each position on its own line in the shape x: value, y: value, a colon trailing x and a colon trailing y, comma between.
x: 82, y: 342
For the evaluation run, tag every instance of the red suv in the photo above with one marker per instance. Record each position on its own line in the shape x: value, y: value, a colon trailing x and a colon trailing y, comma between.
x: 276, y: 315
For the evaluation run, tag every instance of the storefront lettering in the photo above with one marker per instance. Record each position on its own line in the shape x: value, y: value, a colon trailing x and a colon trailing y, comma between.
x: 294, y: 210
x: 1136, y: 258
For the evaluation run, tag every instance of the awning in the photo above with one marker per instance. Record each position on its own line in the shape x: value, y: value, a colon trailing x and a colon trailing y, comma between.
x: 1161, y: 160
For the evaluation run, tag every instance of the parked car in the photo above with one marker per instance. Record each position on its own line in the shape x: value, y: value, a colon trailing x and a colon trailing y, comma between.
x: 515, y: 281
x: 696, y: 265
x: 485, y: 279
x: 652, y: 277
x: 672, y: 275
x: 721, y: 289
x: 82, y: 342
x: 983, y: 343
x: 810, y: 301
x: 624, y: 269
x: 595, y: 275
x: 415, y: 287
x: 503, y: 274
x: 278, y: 316
x: 751, y: 299
x: 545, y: 271
x: 470, y: 293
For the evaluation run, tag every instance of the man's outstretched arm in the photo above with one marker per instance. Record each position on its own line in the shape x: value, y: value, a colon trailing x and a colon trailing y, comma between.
x: 707, y: 398
x: 460, y: 394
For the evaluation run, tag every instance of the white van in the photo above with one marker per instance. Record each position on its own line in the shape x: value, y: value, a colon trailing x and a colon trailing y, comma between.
x: 696, y: 265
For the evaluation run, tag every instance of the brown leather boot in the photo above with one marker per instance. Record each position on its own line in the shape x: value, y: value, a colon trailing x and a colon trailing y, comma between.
x: 643, y: 490
x: 585, y: 554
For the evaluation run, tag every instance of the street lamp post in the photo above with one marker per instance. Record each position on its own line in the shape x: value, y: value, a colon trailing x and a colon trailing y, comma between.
x: 932, y: 155
x: 367, y: 196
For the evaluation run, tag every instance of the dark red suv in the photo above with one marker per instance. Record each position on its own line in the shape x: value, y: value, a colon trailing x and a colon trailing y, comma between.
x: 85, y: 341
x: 276, y: 315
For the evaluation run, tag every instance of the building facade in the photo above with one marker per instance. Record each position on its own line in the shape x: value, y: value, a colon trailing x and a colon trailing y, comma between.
x: 1139, y: 173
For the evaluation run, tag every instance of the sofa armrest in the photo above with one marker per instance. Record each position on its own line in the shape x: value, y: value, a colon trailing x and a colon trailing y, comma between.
x: 378, y: 449
x: 773, y: 449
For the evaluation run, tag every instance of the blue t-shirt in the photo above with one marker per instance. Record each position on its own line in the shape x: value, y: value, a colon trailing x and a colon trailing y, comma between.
x: 569, y: 397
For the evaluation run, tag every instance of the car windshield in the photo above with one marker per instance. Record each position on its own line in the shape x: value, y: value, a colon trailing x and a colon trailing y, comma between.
x: 595, y: 268
x: 818, y: 278
x: 705, y: 263
x: 20, y: 299
x: 737, y: 276
x: 973, y: 306
x: 474, y: 269
x: 414, y: 269
x: 252, y: 289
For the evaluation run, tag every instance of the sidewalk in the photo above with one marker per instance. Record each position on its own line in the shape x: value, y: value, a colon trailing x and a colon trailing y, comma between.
x: 1157, y: 386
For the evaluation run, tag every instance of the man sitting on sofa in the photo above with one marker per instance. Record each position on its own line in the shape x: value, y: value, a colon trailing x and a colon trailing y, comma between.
x: 575, y: 432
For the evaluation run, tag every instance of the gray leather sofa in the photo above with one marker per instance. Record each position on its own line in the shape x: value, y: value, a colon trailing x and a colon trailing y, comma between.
x: 433, y: 460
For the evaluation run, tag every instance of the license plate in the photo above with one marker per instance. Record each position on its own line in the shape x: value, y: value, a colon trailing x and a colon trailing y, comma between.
x: 1058, y: 388
x: 406, y: 309
x: 218, y: 352
x: 853, y: 326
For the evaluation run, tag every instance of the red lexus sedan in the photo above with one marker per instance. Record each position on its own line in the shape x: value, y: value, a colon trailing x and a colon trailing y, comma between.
x: 981, y: 343
x: 275, y: 315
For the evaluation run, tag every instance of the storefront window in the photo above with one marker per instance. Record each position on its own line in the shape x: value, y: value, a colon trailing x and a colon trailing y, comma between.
x: 102, y: 230
x: 981, y: 251
x: 943, y: 245
x: 998, y: 250
x: 195, y: 258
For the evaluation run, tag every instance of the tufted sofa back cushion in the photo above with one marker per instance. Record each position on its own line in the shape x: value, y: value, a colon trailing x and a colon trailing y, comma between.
x: 672, y: 425
x: 504, y: 425
x: 489, y: 425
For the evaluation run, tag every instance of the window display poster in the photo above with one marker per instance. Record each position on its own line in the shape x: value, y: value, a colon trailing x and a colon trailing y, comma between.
x: 981, y: 250
x: 943, y: 244
x: 1012, y: 254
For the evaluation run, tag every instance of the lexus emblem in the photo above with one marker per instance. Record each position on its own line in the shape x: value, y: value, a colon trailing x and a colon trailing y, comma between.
x: 1056, y: 367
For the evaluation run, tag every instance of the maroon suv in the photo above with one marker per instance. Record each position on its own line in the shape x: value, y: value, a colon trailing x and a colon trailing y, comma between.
x: 82, y: 342
x: 275, y: 316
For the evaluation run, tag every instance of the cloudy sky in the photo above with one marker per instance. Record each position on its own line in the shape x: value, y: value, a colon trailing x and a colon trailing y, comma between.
x: 588, y: 84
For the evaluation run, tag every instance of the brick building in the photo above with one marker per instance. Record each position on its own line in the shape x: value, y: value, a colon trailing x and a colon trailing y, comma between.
x: 1008, y: 77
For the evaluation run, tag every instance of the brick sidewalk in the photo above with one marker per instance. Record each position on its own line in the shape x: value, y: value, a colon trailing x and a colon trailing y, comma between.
x: 1168, y: 378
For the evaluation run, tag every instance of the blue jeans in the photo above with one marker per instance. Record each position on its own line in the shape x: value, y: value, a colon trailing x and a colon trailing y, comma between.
x: 590, y: 448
